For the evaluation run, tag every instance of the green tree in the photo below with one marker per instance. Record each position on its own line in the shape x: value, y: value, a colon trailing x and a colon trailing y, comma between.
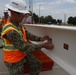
x: 48, y: 19
x: 54, y: 21
x: 74, y: 21
x: 35, y: 18
x: 70, y: 20
x: 42, y: 19
x: 59, y: 21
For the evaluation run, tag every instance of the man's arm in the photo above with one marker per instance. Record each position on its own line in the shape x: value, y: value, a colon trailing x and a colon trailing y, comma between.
x: 19, y: 42
x: 32, y: 37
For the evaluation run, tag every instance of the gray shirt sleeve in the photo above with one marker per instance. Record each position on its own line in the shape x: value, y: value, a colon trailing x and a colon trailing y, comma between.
x: 29, y: 19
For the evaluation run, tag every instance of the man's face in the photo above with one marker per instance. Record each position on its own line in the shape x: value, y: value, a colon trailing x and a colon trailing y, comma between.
x: 20, y: 16
x: 5, y: 13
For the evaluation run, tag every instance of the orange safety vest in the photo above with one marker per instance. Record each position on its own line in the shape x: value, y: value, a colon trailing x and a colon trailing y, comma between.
x: 1, y: 23
x: 5, y: 21
x: 11, y: 54
x: 1, y: 26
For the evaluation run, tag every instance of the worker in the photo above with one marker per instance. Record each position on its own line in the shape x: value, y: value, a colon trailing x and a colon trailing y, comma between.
x: 4, y: 19
x: 28, y: 19
x: 6, y: 16
x: 1, y: 25
x: 17, y: 49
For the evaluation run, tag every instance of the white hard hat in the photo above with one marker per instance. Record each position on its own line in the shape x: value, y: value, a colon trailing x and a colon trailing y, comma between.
x: 17, y: 6
x: 5, y: 10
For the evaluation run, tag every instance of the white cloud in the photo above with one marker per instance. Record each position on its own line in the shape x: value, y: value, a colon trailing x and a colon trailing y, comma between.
x: 57, y: 8
x: 72, y: 1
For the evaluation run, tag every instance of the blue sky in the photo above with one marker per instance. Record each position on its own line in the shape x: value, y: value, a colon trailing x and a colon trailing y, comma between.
x: 56, y: 8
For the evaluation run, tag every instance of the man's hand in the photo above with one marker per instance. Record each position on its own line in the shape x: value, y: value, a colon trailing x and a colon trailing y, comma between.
x: 47, y: 45
x: 44, y: 38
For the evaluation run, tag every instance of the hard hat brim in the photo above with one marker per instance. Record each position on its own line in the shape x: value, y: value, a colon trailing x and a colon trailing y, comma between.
x: 17, y: 10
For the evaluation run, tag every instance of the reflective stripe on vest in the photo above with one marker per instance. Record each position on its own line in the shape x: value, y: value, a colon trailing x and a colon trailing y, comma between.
x: 11, y: 54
